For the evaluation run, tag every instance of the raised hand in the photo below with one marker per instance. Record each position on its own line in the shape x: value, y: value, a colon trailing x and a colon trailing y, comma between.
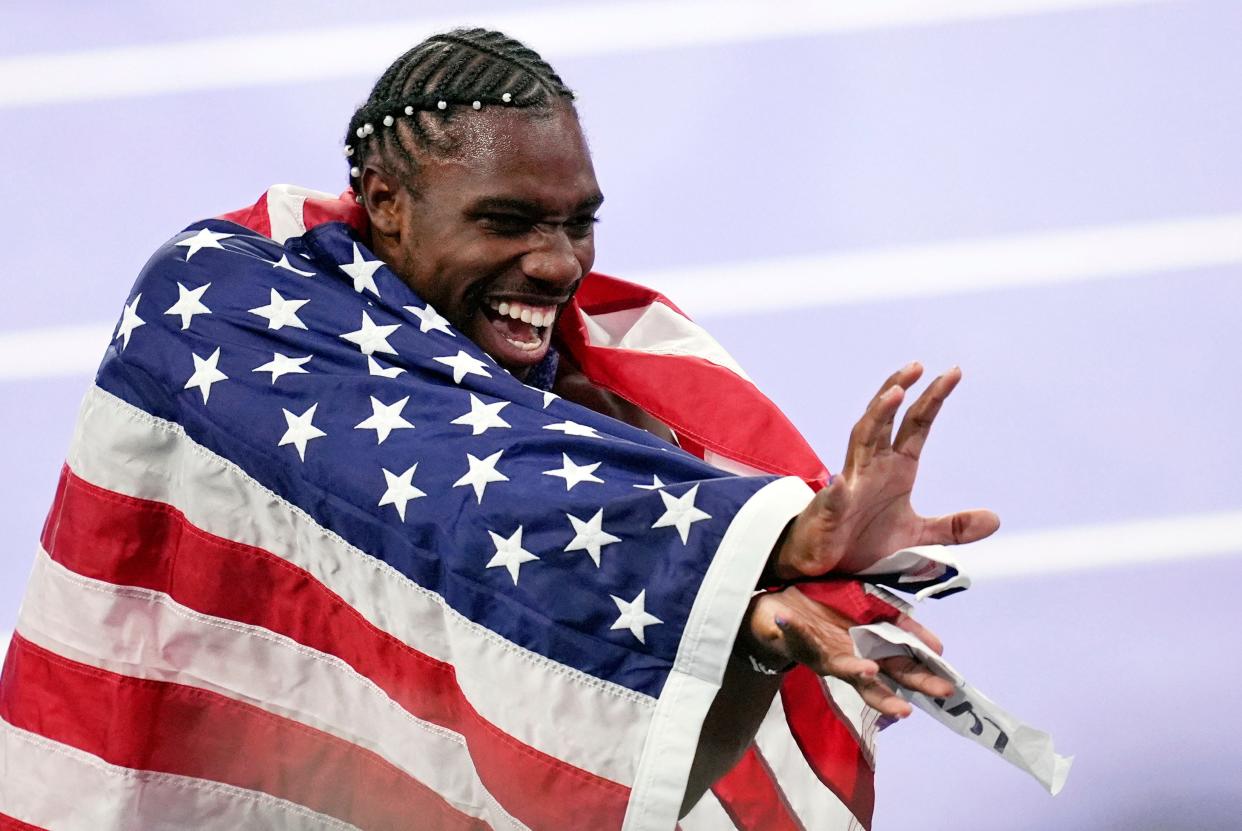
x: 865, y: 513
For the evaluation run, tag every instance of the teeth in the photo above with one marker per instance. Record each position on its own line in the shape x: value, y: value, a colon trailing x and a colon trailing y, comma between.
x: 536, y: 318
x: 534, y: 315
x: 515, y: 312
x: 526, y: 314
x: 502, y: 308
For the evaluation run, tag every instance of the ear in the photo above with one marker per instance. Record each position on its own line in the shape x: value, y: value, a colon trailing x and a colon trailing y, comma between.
x: 384, y: 199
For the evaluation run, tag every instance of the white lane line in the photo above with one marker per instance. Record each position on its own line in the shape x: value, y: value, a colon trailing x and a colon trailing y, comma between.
x: 564, y: 31
x: 732, y: 289
x: 1106, y: 545
x: 953, y: 267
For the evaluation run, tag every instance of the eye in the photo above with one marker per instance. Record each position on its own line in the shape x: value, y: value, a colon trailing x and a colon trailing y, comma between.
x: 581, y: 226
x: 508, y: 225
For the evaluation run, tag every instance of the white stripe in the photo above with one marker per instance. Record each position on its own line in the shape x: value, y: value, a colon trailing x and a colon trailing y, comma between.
x: 53, y: 786
x: 657, y: 330
x: 558, y: 32
x: 1082, y: 547
x: 816, y: 806
x: 738, y: 289
x: 706, y: 644
x: 709, y: 815
x: 121, y: 448
x: 954, y: 267
x: 145, y: 634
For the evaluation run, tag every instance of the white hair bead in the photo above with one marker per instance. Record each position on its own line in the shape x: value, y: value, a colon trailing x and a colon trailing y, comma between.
x: 409, y: 110
x: 349, y: 151
x: 358, y: 199
x: 355, y: 172
x: 388, y: 121
x: 360, y: 133
x: 442, y: 105
x: 369, y: 127
x: 506, y: 98
x: 477, y: 104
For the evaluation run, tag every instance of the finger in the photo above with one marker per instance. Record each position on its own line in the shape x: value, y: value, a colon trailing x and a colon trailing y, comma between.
x: 917, y: 676
x: 880, y: 697
x: 876, y: 422
x: 904, y: 378
x: 918, y: 419
x: 960, y: 528
x: 921, y: 632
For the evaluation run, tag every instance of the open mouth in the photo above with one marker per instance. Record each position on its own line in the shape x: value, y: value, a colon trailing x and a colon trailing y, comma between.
x: 526, y: 328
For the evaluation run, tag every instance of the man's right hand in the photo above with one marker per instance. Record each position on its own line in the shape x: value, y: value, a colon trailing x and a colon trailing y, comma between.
x: 865, y: 514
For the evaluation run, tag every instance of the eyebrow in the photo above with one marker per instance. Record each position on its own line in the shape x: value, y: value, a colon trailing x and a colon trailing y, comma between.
x: 527, y: 207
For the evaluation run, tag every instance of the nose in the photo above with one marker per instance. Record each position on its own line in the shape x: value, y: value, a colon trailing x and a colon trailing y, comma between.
x: 553, y: 260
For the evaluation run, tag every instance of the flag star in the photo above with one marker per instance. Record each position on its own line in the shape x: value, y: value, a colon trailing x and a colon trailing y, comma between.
x: 374, y: 367
x: 573, y: 428
x: 510, y: 553
x: 680, y: 513
x: 189, y: 303
x: 301, y: 430
x: 205, y: 374
x: 400, y: 490
x: 129, y: 322
x: 634, y: 615
x: 655, y: 485
x: 430, y: 319
x: 203, y: 239
x: 463, y: 365
x: 385, y: 418
x: 481, y: 473
x: 574, y: 474
x: 482, y: 417
x: 284, y: 263
x: 372, y: 338
x: 282, y: 365
x: 363, y: 272
x: 281, y: 312
x: 590, y: 536
x: 548, y: 398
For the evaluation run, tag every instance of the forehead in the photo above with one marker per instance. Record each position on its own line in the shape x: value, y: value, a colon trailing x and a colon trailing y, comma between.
x: 535, y: 156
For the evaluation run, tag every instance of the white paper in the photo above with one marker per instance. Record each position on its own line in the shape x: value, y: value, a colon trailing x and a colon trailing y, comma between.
x: 968, y: 712
x: 925, y: 570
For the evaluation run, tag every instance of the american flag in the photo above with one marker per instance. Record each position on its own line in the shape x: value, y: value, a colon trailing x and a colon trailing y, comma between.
x: 316, y: 561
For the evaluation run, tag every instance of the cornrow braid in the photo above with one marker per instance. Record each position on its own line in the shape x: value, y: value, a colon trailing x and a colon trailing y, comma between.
x: 420, y: 94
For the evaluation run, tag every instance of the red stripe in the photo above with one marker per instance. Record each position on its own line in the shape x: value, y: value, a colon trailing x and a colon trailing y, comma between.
x: 8, y: 823
x: 828, y: 743
x: 187, y: 731
x: 752, y: 799
x: 848, y: 597
x: 342, y: 209
x: 128, y: 541
x: 254, y: 217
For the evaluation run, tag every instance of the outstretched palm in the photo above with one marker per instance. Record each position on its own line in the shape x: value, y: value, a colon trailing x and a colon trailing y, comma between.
x: 865, y: 513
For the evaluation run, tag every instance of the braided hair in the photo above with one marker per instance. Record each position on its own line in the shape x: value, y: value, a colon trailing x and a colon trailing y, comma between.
x: 419, y: 95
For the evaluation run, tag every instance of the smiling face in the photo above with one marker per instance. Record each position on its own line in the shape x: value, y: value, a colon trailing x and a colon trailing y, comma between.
x: 497, y: 233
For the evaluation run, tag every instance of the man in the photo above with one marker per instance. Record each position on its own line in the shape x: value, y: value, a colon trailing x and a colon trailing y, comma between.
x: 431, y: 600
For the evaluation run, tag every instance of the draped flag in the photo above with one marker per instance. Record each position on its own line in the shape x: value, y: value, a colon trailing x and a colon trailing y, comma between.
x: 316, y: 561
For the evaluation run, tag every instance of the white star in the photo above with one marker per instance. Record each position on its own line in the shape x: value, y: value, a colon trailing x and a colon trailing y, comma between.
x: 510, y: 553
x: 482, y: 417
x: 189, y: 303
x: 363, y: 272
x: 385, y: 418
x: 573, y: 428
x: 655, y: 485
x: 464, y: 365
x: 374, y: 367
x: 679, y: 512
x: 548, y: 398
x: 371, y: 338
x: 300, y: 431
x: 590, y: 536
x: 400, y: 490
x: 205, y: 373
x: 633, y: 616
x: 573, y: 473
x: 281, y: 312
x: 203, y: 239
x: 282, y: 365
x: 129, y: 322
x: 481, y: 473
x: 285, y: 264
x: 430, y: 319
